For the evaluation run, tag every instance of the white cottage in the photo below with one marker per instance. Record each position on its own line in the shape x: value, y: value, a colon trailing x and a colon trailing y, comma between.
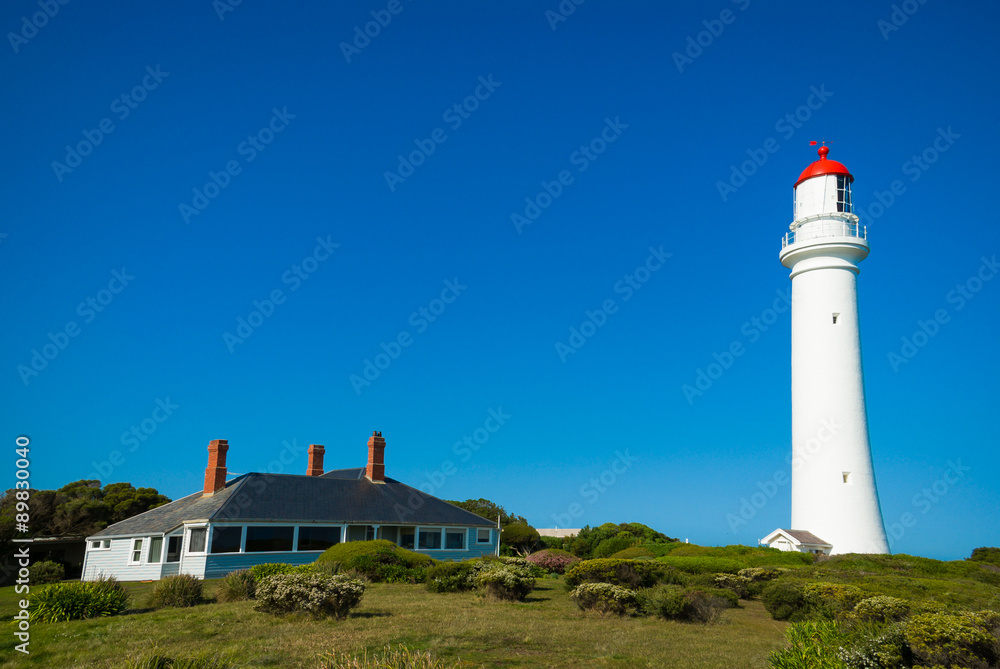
x: 797, y: 540
x: 258, y: 517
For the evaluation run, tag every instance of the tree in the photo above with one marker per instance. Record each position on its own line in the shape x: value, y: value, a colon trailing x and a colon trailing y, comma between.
x: 520, y: 538
x: 489, y: 510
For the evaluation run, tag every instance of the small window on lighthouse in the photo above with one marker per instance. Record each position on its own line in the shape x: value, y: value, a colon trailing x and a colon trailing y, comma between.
x: 835, y: 317
x: 844, y: 194
x: 847, y: 477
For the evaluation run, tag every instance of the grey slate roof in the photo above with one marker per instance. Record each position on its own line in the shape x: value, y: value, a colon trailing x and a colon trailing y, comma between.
x: 339, y: 496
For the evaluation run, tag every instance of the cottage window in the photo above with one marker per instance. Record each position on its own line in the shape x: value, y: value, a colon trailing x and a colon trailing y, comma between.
x: 135, y: 555
x: 406, y: 537
x: 430, y: 539
x: 269, y: 538
x: 454, y: 539
x: 226, y: 539
x: 100, y: 545
x: 196, y: 540
x: 155, y: 550
x: 318, y: 538
x: 174, y: 548
x: 483, y: 537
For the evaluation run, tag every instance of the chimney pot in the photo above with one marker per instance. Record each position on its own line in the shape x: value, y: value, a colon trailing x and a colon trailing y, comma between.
x: 316, y: 452
x: 215, y: 473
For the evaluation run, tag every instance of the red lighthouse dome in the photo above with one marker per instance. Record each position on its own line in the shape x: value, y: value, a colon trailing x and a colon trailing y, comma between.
x: 823, y: 166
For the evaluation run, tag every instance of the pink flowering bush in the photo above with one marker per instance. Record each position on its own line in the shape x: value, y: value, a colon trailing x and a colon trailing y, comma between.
x: 553, y: 560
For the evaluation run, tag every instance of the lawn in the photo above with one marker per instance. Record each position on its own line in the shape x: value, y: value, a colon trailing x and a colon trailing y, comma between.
x: 545, y: 631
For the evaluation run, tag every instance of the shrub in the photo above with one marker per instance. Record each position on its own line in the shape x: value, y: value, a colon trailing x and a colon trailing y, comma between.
x: 378, y: 560
x: 389, y: 658
x: 78, y: 600
x: 553, y: 560
x: 505, y: 581
x: 626, y: 573
x: 611, y: 545
x: 707, y: 604
x: 740, y: 585
x: 665, y: 601
x: 813, y: 645
x: 689, y: 604
x: 953, y: 639
x: 237, y: 586
x: 589, y: 538
x: 847, y: 596
x: 880, y: 609
x: 604, y: 598
x: 882, y: 647
x: 319, y: 595
x: 451, y: 577
x: 759, y: 574
x: 261, y: 571
x: 703, y: 565
x: 785, y: 601
x: 47, y: 571
x: 177, y: 590
x: 985, y: 554
x: 633, y: 553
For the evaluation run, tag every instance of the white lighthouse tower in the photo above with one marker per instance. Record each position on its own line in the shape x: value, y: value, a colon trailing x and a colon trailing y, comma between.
x: 835, y: 505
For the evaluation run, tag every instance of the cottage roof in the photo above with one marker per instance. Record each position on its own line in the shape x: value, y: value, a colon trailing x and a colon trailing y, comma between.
x: 338, y: 496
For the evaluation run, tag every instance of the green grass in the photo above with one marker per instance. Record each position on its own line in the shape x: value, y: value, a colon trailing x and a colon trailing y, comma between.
x: 546, y: 630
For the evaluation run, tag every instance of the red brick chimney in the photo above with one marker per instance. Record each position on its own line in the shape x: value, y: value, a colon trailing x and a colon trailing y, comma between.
x: 215, y: 473
x: 316, y: 452
x: 376, y: 458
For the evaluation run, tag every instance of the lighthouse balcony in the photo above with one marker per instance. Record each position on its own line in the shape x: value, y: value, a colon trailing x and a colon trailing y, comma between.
x: 807, y: 230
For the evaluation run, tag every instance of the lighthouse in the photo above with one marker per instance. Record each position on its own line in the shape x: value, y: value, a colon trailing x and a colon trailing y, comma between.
x: 835, y: 506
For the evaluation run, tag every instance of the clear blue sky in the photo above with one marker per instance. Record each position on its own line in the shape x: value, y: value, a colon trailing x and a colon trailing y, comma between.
x: 641, y: 139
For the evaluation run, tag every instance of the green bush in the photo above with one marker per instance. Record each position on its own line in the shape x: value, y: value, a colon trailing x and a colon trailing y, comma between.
x: 378, y: 560
x: 261, y: 571
x: 46, y: 571
x: 703, y: 564
x: 739, y: 585
x: 177, y: 590
x: 633, y: 553
x: 451, y: 576
x: 78, y: 600
x: 688, y: 604
x: 880, y: 609
x: 510, y: 582
x: 608, y: 547
x: 632, y: 574
x: 589, y: 538
x: 604, y: 598
x: 954, y: 639
x: 237, y: 586
x: 785, y: 601
x: 319, y: 595
x: 986, y: 554
x: 875, y: 645
x: 813, y: 645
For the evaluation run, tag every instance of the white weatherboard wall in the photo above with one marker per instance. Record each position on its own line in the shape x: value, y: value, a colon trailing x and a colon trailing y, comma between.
x: 829, y: 421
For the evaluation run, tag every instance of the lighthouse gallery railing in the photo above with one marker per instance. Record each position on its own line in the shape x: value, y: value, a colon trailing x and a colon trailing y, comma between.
x: 827, y: 229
